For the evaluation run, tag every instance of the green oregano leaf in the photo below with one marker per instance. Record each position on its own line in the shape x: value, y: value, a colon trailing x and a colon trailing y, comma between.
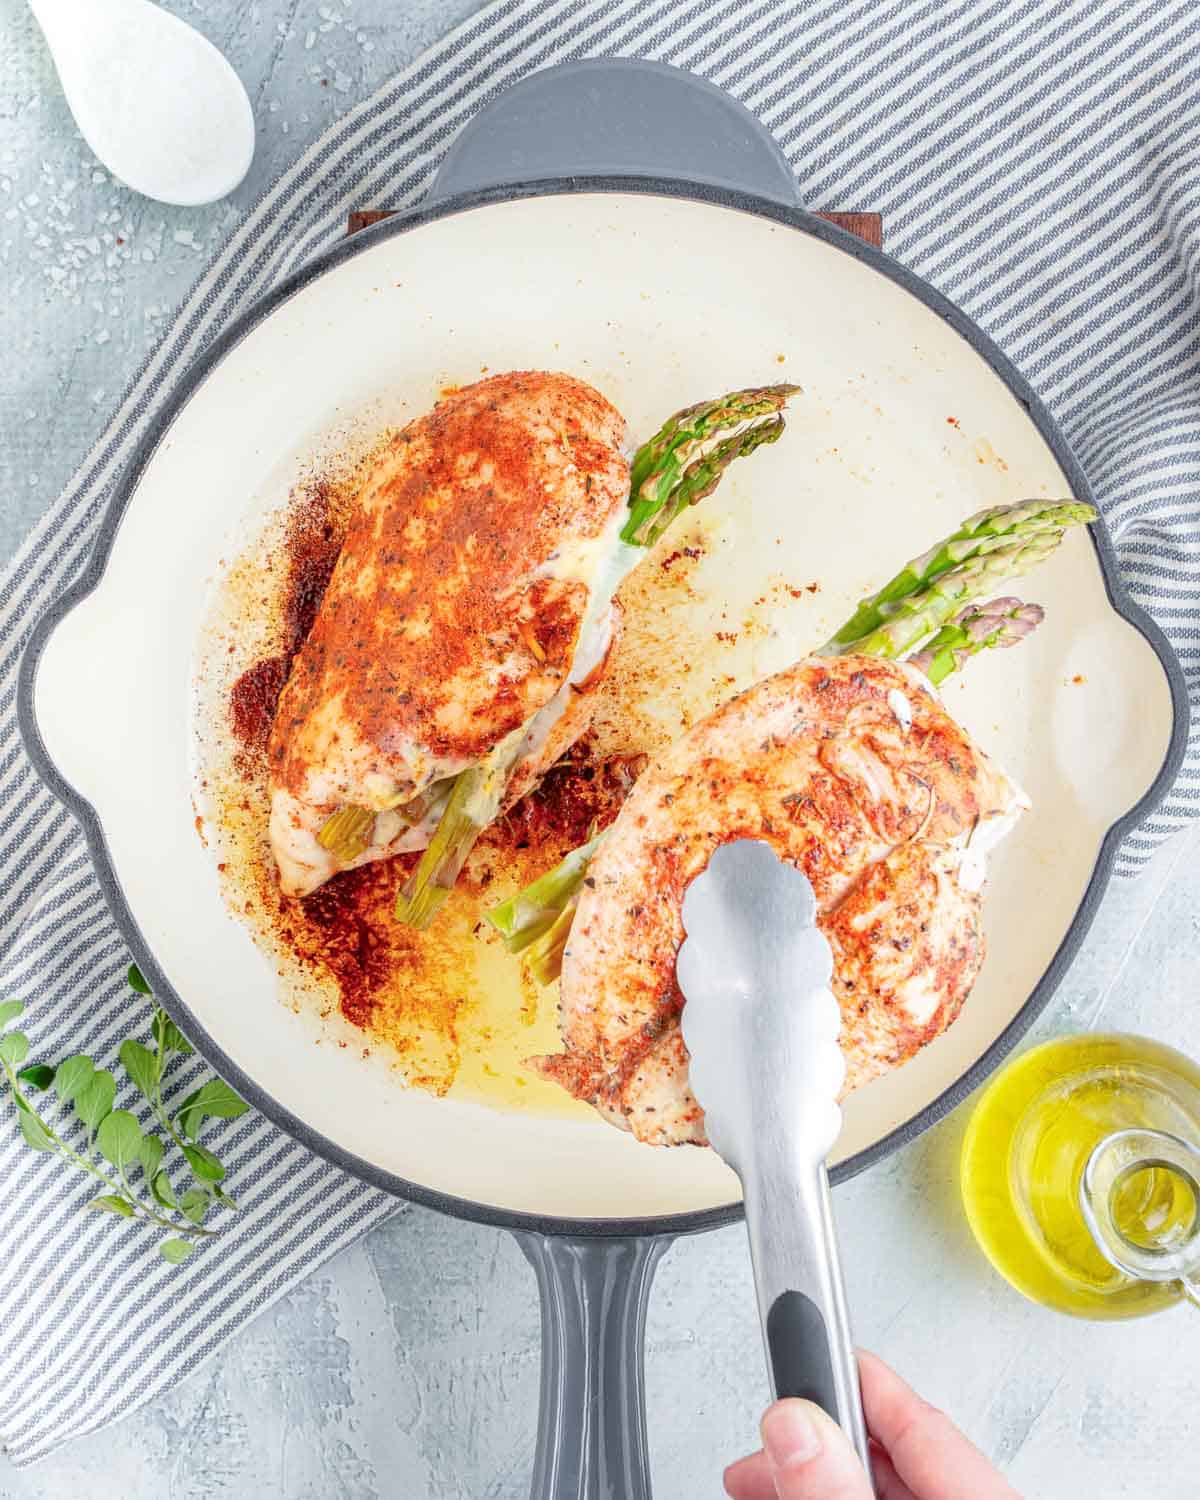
x: 161, y: 1190
x: 37, y: 1076
x: 110, y: 1203
x: 175, y: 1251
x: 194, y: 1204
x: 214, y: 1099
x: 167, y: 1035
x: 141, y: 1065
x: 136, y: 981
x: 223, y: 1197
x: 96, y: 1099
x: 204, y: 1164
x: 10, y: 1010
x: 119, y: 1138
x: 73, y: 1077
x: 14, y: 1047
x: 150, y: 1154
x: 35, y: 1133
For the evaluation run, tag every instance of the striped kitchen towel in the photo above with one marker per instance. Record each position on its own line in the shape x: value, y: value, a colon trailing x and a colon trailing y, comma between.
x: 1038, y: 160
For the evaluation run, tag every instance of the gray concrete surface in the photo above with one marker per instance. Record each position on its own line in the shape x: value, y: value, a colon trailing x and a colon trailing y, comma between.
x: 408, y: 1368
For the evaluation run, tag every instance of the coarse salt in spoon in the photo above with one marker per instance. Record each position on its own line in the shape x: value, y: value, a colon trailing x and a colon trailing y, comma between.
x: 155, y: 100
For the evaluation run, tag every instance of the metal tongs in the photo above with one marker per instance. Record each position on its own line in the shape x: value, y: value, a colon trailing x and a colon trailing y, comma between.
x: 761, y: 1025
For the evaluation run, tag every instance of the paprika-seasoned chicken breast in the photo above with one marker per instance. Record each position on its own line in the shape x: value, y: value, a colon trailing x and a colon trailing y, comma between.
x: 453, y: 615
x: 849, y: 767
x: 465, y: 630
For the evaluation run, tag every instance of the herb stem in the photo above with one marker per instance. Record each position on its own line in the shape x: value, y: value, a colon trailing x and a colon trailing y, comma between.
x: 121, y: 1188
x: 156, y: 1104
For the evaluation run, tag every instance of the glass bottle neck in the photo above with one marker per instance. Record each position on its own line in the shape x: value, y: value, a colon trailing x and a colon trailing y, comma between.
x: 1140, y: 1196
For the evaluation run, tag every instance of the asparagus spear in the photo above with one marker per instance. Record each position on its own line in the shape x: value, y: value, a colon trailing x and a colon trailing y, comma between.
x: 979, y: 627
x: 523, y: 918
x: 981, y: 535
x: 1007, y: 540
x: 346, y: 833
x: 473, y: 804
x: 908, y: 622
x: 684, y: 460
x: 681, y: 463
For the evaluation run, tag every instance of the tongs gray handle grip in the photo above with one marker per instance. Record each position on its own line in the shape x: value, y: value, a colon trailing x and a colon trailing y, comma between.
x: 801, y: 1295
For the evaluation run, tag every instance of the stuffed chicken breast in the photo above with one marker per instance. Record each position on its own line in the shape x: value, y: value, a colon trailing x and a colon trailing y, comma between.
x: 469, y: 616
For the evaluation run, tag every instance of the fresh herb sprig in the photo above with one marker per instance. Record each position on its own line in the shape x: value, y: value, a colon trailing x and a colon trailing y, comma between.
x: 84, y: 1129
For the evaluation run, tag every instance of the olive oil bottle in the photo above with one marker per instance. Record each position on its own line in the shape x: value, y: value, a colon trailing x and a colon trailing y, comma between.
x: 1083, y: 1155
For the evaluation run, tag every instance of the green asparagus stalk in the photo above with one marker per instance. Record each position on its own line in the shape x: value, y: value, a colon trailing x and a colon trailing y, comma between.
x: 979, y: 627
x: 474, y: 802
x: 346, y: 833
x: 1036, y: 525
x: 545, y: 956
x: 911, y: 621
x: 523, y: 918
x: 685, y: 459
x: 681, y: 464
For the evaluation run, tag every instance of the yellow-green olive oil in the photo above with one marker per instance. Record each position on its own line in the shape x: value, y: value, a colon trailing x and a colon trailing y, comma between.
x: 1026, y: 1147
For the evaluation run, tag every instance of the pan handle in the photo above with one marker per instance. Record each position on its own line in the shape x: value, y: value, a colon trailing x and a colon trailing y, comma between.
x: 591, y: 1442
x: 615, y: 117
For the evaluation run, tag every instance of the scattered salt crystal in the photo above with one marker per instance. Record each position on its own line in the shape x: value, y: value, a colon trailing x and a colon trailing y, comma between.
x: 97, y: 395
x: 31, y: 201
x: 33, y: 480
x: 57, y: 273
x: 92, y: 245
x: 326, y: 26
x: 185, y: 237
x: 284, y: 127
x: 5, y: 184
x: 99, y: 177
x: 342, y: 82
x: 103, y: 336
x: 368, y: 46
x: 273, y: 107
x: 310, y: 38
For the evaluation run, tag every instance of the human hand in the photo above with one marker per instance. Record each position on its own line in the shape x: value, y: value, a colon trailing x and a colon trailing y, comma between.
x: 917, y: 1453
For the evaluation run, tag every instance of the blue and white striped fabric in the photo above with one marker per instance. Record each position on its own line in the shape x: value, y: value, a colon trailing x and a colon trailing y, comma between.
x: 1038, y: 160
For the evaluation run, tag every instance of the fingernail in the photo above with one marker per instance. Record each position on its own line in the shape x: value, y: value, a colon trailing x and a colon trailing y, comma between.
x: 790, y: 1435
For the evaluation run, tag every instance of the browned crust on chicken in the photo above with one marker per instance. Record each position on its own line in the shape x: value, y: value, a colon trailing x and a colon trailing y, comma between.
x: 443, y: 627
x: 820, y: 763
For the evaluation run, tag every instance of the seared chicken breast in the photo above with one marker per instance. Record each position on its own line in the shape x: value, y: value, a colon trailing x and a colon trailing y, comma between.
x: 457, y: 612
x: 850, y: 768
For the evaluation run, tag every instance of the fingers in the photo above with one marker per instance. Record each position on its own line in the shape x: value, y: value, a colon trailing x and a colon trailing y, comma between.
x: 805, y: 1456
x: 927, y: 1452
x: 888, y: 1484
x: 750, y: 1479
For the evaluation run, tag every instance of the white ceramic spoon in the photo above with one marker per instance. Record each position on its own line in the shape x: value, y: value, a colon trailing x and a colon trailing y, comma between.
x: 156, y: 101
